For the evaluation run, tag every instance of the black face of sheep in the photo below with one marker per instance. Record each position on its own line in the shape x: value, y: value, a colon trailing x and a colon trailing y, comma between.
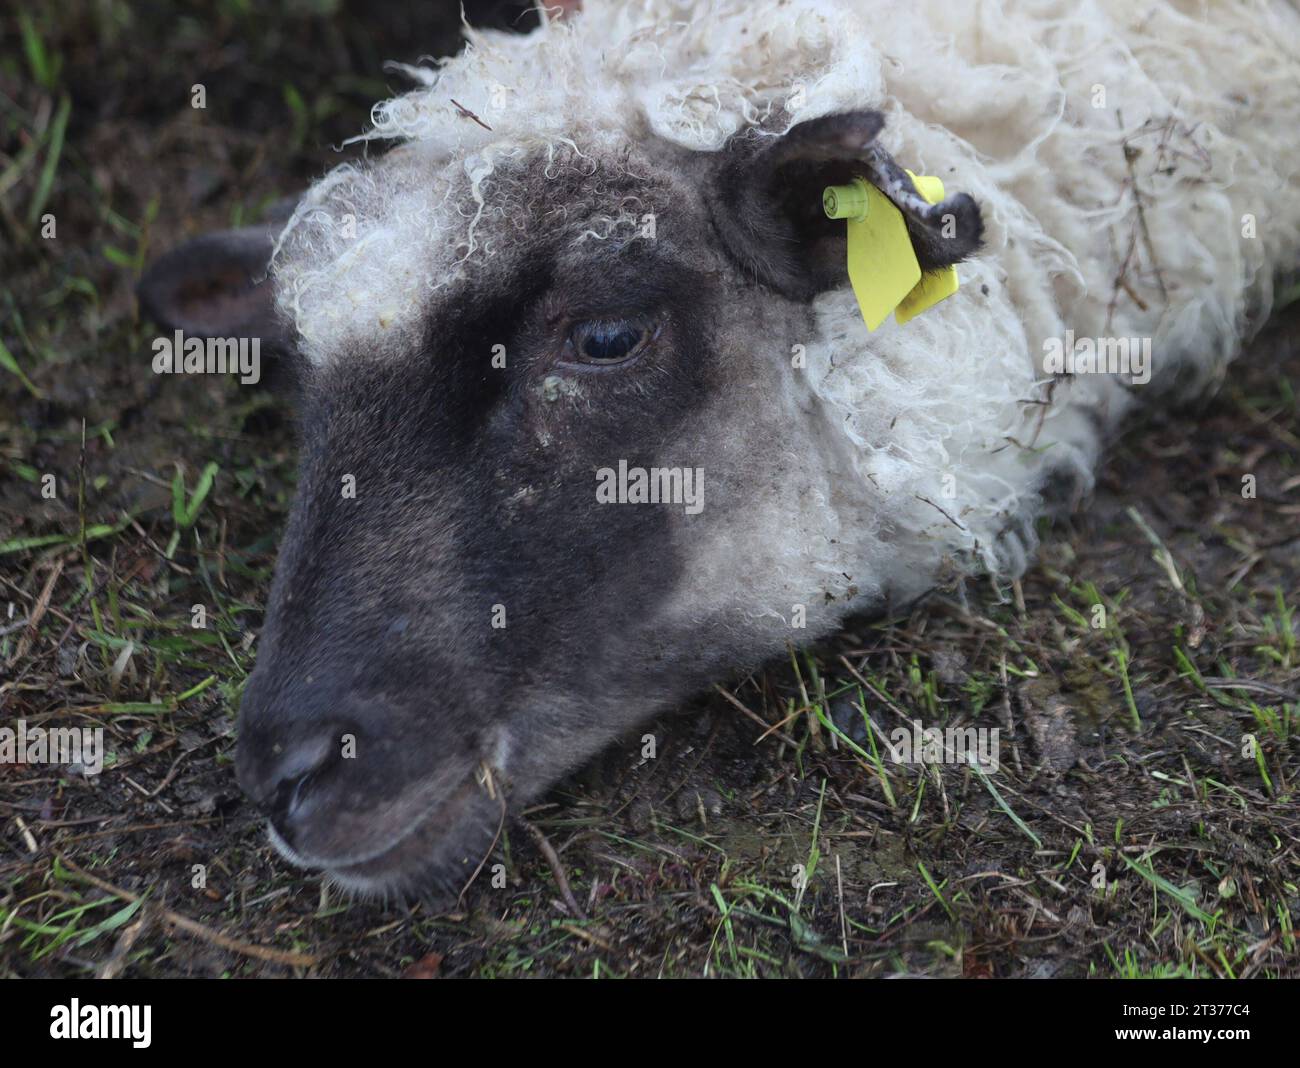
x: 476, y: 591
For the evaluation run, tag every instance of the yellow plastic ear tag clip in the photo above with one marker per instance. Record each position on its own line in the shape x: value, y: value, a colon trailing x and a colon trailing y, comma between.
x: 882, y: 263
x: 937, y: 285
x: 883, y: 269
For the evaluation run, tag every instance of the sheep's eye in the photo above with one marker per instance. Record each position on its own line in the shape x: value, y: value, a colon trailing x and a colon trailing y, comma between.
x: 608, y: 342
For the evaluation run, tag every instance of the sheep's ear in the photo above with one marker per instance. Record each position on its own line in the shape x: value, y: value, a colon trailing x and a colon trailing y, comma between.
x: 766, y: 199
x: 216, y: 286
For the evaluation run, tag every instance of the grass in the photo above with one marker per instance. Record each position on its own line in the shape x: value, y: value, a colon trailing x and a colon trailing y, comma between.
x: 1144, y: 674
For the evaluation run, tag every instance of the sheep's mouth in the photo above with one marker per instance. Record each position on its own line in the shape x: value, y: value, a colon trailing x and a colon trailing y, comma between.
x: 438, y: 855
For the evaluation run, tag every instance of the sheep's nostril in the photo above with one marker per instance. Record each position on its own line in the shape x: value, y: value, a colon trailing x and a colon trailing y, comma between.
x: 289, y: 795
x: 279, y: 776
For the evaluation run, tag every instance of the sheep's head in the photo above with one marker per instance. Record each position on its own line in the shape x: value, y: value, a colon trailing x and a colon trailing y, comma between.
x: 469, y: 599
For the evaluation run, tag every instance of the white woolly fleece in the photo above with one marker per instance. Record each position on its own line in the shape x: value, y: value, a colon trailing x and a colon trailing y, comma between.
x: 1026, y: 104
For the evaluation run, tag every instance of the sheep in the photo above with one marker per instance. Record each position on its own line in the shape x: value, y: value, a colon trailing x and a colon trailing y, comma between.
x: 601, y: 247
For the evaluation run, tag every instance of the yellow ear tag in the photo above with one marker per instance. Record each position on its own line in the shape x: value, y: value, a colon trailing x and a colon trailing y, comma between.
x: 936, y: 285
x: 882, y: 264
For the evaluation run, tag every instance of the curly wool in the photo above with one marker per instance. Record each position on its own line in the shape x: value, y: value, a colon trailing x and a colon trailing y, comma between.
x: 1117, y: 151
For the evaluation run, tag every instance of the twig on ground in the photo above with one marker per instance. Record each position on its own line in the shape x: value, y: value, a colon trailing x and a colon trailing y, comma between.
x: 557, y: 869
x: 246, y: 949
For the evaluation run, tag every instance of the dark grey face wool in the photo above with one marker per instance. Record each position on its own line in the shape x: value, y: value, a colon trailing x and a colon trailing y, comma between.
x: 506, y: 540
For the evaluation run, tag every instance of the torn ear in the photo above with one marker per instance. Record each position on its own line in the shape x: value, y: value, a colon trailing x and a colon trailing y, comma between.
x: 216, y: 285
x: 766, y: 200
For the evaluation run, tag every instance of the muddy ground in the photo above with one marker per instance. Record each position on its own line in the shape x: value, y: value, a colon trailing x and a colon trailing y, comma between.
x: 1143, y: 821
